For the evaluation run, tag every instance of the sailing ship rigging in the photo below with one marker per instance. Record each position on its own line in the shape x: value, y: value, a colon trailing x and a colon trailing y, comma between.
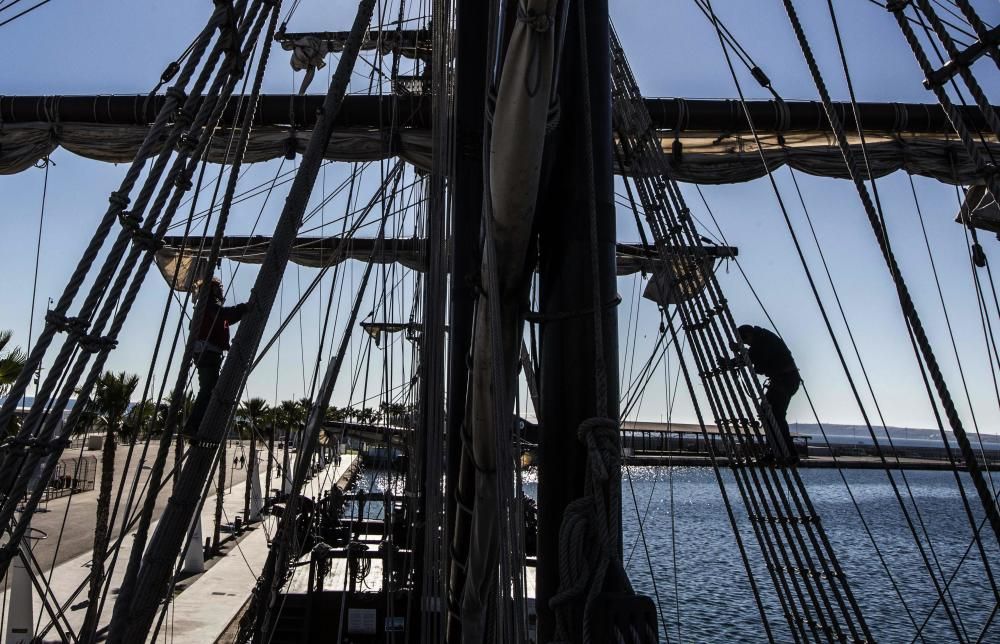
x: 471, y: 279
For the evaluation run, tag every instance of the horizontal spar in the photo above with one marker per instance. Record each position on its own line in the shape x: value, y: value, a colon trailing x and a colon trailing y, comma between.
x: 714, y: 144
x: 667, y: 114
x: 318, y: 252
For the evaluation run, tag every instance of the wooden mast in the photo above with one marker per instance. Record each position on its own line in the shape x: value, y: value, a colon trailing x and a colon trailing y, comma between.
x: 567, y: 361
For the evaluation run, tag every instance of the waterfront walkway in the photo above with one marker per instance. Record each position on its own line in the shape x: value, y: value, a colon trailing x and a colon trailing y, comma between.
x: 204, y: 604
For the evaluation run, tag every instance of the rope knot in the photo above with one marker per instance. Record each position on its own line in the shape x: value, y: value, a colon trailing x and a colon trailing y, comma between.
x: 64, y: 323
x: 600, y: 435
x: 176, y: 93
x: 183, y: 181
x: 540, y: 22
x: 95, y: 343
x: 187, y: 142
x: 119, y: 200
x: 129, y: 220
x: 143, y: 239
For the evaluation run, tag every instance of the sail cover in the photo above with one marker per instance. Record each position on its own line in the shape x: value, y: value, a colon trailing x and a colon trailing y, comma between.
x: 22, y: 145
x: 980, y: 210
x: 517, y: 143
x: 187, y: 258
x: 715, y: 144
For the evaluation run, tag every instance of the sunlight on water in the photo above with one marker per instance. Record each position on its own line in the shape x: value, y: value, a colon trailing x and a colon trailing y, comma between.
x: 703, y: 591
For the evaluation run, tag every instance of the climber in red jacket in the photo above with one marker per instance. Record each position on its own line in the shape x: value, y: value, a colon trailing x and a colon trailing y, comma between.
x: 211, y: 341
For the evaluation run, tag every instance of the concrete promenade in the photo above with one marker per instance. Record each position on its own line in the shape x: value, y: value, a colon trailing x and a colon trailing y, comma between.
x: 213, y: 597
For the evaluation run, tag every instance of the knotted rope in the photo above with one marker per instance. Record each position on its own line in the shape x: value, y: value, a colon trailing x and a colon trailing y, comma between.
x: 586, y: 549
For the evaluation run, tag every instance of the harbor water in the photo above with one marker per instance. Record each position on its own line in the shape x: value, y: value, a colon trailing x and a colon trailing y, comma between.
x: 690, y: 555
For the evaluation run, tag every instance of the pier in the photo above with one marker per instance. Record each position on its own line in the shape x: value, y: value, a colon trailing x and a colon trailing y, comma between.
x: 687, y: 445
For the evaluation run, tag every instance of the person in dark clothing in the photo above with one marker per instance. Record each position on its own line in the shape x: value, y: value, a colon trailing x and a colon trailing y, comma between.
x: 211, y: 341
x: 771, y: 358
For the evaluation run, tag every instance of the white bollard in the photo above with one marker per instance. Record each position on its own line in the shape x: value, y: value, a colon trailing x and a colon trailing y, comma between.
x: 256, y: 500
x: 20, y: 609
x: 194, y: 558
x: 286, y: 476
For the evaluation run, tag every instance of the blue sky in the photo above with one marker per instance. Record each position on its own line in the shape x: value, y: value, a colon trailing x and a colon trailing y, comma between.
x: 113, y: 46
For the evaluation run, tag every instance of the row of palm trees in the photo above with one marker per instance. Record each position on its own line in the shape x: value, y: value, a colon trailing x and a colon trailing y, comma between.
x: 110, y: 413
x: 291, y: 415
x: 12, y: 360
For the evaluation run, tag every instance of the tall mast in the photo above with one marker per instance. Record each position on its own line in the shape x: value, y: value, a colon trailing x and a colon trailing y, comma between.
x: 568, y: 360
x: 472, y: 27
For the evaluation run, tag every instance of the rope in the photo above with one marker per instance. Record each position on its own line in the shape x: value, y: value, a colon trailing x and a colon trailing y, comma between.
x: 163, y: 547
x: 586, y: 546
x: 26, y: 11
x: 841, y: 357
x: 37, y: 423
x: 909, y: 309
x: 276, y: 565
x: 119, y: 201
x: 797, y: 539
x: 38, y: 253
x: 986, y: 169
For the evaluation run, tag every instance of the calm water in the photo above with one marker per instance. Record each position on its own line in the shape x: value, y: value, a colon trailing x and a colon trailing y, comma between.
x: 704, y: 595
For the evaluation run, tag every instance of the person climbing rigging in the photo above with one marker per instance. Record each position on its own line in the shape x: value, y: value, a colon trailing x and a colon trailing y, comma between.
x: 211, y: 341
x: 771, y: 358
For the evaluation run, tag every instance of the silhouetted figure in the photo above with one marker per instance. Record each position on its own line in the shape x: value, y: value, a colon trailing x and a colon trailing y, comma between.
x: 771, y: 358
x: 212, y: 341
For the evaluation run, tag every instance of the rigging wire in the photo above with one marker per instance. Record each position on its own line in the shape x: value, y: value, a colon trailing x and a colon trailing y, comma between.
x: 987, y: 329
x: 815, y: 292
x: 883, y: 5
x: 38, y: 252
x: 820, y: 589
x: 927, y: 358
x: 836, y: 344
x: 23, y: 13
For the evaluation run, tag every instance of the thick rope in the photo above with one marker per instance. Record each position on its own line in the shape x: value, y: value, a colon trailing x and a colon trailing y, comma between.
x: 177, y: 397
x: 987, y: 169
x: 906, y: 302
x: 586, y: 546
x: 785, y: 523
x: 164, y: 546
x: 57, y: 320
x: 210, y: 112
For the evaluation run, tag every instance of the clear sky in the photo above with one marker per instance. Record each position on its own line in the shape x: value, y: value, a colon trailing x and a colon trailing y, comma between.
x: 114, y: 46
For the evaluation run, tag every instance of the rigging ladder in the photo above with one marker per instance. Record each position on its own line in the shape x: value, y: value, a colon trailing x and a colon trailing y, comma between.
x: 815, y: 596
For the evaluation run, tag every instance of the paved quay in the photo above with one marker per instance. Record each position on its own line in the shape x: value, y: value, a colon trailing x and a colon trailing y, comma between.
x: 227, y: 580
x: 201, y: 612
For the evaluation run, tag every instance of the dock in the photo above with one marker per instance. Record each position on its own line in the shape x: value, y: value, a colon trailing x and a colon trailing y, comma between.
x: 205, y: 604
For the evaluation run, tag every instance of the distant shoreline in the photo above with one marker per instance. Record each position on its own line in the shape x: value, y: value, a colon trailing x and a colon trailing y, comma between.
x: 813, y: 462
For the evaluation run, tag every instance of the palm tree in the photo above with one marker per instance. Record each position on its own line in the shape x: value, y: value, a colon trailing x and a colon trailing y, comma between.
x: 292, y: 417
x: 11, y: 362
x: 272, y: 420
x: 255, y: 412
x: 145, y: 416
x: 305, y: 404
x: 186, y: 405
x: 336, y: 414
x: 110, y: 405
